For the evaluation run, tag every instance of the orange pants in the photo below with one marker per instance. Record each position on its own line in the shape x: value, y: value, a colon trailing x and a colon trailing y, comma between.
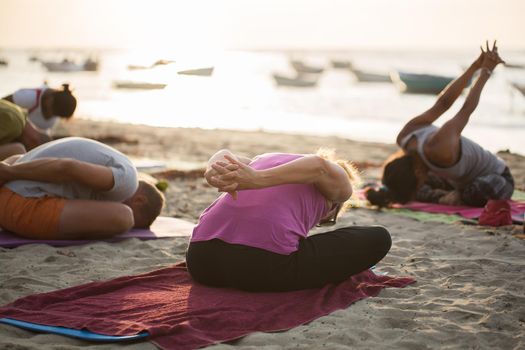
x: 35, y: 218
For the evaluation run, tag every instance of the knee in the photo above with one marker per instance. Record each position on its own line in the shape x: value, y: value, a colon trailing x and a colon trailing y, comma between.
x: 382, y: 240
x: 122, y: 220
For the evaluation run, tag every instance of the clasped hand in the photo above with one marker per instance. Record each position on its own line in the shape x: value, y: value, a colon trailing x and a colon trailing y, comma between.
x: 232, y: 176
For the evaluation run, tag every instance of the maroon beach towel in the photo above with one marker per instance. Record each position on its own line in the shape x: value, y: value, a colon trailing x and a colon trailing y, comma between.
x: 181, y: 314
x: 517, y: 209
x: 163, y: 227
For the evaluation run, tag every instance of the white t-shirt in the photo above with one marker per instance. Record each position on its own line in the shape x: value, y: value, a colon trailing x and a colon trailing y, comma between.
x: 31, y: 99
x: 86, y: 150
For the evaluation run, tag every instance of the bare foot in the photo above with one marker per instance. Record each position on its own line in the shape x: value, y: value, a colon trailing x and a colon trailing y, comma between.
x: 451, y: 198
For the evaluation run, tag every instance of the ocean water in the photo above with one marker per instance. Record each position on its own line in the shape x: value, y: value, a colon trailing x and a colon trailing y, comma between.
x: 241, y: 93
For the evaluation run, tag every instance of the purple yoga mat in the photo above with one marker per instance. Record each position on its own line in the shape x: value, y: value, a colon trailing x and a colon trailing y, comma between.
x: 162, y: 227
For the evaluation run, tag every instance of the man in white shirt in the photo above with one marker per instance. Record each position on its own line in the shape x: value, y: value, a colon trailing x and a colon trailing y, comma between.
x: 74, y: 188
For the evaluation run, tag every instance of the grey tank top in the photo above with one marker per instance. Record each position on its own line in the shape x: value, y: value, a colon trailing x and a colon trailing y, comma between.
x: 474, y: 161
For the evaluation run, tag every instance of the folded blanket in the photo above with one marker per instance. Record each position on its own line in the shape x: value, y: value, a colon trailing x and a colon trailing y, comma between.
x: 162, y: 227
x: 178, y: 313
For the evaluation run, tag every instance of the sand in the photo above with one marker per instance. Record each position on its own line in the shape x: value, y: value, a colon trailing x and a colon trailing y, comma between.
x: 469, y: 291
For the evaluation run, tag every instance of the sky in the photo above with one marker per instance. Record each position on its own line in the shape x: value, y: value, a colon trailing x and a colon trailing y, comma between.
x: 261, y: 24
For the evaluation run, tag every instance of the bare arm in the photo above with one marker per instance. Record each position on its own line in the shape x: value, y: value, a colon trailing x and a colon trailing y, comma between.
x: 328, y: 177
x: 448, y: 135
x: 60, y: 170
x: 445, y: 100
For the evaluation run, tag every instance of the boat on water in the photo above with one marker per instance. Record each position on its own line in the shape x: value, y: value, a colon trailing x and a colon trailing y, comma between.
x: 298, y: 81
x: 205, y: 72
x: 66, y: 65
x: 138, y: 85
x: 420, y: 83
x: 341, y: 64
x: 301, y: 67
x: 370, y: 77
x: 160, y: 62
x: 519, y: 87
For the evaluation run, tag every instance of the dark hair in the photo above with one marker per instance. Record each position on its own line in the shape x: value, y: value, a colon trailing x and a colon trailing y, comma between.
x: 400, y: 183
x: 64, y: 103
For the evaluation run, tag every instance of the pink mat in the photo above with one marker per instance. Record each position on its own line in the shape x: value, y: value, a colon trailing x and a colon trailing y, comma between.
x: 181, y: 314
x: 517, y: 209
x: 162, y: 227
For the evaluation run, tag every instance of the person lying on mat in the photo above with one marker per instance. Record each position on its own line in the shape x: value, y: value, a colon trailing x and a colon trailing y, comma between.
x: 74, y: 188
x: 437, y: 164
x: 255, y: 237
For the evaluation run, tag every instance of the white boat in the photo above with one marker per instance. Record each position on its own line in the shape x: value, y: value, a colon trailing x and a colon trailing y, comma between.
x: 138, y: 85
x: 370, y: 77
x: 420, y: 83
x: 519, y: 87
x: 341, y: 64
x: 301, y: 67
x: 298, y: 81
x: 205, y: 72
x: 67, y: 65
x: 161, y: 62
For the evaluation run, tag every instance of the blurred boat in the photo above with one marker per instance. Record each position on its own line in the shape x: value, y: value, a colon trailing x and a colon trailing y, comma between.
x: 420, y: 83
x: 370, y: 77
x: 91, y: 65
x: 515, y: 65
x: 199, y: 71
x: 301, y: 67
x: 298, y: 81
x: 161, y: 62
x: 519, y: 87
x: 341, y: 64
x: 138, y: 85
x: 67, y: 65
x: 3, y: 62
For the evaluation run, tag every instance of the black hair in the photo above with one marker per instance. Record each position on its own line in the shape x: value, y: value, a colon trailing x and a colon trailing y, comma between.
x: 64, y: 103
x: 400, y: 183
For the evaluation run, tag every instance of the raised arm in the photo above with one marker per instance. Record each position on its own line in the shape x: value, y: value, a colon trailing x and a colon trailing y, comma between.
x: 445, y: 100
x: 59, y: 170
x: 449, y: 134
x: 328, y: 177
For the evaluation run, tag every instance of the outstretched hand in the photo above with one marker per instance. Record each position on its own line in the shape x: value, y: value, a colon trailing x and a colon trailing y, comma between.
x: 491, y: 57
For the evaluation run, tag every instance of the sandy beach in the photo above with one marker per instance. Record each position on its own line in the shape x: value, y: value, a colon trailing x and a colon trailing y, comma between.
x: 469, y: 291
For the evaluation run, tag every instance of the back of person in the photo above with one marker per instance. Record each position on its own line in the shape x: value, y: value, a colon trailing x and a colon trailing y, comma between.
x: 12, y: 121
x: 124, y: 173
x: 272, y: 218
x: 474, y: 161
x: 31, y: 99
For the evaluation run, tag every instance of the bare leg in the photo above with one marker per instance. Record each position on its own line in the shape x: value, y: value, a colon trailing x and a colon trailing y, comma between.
x: 94, y: 219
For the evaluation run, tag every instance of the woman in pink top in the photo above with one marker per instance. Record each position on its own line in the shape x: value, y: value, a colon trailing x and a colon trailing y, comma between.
x: 254, y: 237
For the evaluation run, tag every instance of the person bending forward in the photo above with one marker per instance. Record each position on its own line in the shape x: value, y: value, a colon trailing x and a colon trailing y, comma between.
x: 255, y: 237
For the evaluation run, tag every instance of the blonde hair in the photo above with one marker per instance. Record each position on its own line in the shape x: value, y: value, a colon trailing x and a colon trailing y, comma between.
x: 349, y: 168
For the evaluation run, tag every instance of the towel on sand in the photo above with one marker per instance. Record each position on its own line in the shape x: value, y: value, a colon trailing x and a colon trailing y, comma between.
x: 517, y: 209
x: 162, y: 227
x: 178, y: 313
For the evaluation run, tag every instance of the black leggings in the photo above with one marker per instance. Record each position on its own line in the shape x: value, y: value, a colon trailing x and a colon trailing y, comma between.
x: 324, y: 258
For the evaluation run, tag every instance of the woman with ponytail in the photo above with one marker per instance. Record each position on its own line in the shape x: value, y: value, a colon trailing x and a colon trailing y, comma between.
x: 437, y: 164
x: 45, y: 105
